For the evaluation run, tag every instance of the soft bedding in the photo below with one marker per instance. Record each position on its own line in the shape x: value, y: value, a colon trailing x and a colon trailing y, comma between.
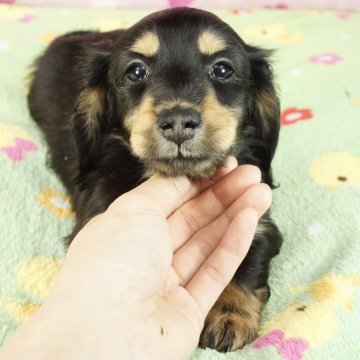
x: 314, y: 309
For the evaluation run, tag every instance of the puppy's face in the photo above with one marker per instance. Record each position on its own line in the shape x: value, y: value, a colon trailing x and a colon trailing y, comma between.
x: 183, y: 83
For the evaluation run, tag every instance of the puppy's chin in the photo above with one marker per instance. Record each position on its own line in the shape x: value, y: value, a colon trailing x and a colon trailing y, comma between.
x: 195, y: 169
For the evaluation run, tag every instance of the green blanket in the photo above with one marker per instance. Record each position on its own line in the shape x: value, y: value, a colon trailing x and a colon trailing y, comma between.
x: 314, y: 310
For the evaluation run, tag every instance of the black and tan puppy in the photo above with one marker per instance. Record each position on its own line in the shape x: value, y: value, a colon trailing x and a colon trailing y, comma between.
x: 174, y: 94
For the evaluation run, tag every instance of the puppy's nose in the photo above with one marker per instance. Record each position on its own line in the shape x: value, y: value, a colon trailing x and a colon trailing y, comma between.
x: 178, y: 125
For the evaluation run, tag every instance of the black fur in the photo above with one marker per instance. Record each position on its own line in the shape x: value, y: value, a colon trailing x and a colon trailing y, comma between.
x: 99, y: 166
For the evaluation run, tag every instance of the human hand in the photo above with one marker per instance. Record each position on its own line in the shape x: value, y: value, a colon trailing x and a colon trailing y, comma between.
x: 139, y: 279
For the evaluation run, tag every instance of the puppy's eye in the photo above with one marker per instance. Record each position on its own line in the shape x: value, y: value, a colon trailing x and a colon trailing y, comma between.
x: 221, y: 71
x: 137, y: 72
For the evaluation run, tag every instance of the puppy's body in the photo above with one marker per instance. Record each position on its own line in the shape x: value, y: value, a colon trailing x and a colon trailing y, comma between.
x: 52, y: 101
x: 158, y: 97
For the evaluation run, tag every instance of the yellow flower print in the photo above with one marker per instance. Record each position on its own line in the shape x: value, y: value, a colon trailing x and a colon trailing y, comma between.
x: 275, y: 32
x: 36, y: 276
x: 312, y: 12
x: 357, y: 101
x: 109, y: 24
x: 315, y: 319
x: 18, y: 311
x: 49, y: 36
x: 58, y: 204
x: 336, y: 169
x: 28, y: 76
x: 10, y: 132
x: 11, y: 12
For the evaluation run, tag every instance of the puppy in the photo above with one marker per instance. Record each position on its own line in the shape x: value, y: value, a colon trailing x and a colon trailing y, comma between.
x: 174, y: 94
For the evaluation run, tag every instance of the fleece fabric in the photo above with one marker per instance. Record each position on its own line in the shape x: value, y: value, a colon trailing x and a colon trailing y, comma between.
x: 314, y: 309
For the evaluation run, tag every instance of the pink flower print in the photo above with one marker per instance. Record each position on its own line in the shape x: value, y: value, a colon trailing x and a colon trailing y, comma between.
x: 27, y: 18
x: 288, y: 349
x: 175, y: 3
x: 342, y: 15
x: 326, y: 58
x: 16, y: 152
x: 279, y: 6
x: 238, y: 11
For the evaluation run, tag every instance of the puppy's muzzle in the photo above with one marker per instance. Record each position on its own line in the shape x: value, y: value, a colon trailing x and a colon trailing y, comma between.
x: 179, y: 125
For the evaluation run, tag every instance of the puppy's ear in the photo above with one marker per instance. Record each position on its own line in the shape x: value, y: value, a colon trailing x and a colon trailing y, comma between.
x: 263, y: 110
x: 90, y: 118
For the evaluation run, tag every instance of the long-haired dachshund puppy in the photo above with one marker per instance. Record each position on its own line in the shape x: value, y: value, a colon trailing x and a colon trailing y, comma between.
x: 174, y: 94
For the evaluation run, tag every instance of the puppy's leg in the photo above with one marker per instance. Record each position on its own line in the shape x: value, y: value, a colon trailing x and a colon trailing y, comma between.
x: 234, y: 319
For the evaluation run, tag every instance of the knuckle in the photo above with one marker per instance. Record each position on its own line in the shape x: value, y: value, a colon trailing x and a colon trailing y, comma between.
x: 217, y: 275
x: 191, y: 221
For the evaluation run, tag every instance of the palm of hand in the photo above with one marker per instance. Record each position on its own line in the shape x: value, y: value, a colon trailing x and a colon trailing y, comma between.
x: 172, y: 250
x: 186, y: 261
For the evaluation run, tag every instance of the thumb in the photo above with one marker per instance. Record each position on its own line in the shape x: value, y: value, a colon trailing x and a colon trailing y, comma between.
x: 167, y: 194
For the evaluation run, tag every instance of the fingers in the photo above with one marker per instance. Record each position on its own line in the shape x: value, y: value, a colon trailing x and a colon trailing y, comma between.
x: 229, y: 165
x: 165, y: 194
x: 188, y: 259
x: 217, y: 271
x: 203, y: 209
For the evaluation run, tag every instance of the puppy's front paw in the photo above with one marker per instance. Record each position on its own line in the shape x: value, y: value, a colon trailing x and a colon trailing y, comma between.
x: 234, y: 319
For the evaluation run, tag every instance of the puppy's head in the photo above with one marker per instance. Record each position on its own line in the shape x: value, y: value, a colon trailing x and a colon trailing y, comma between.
x: 183, y: 91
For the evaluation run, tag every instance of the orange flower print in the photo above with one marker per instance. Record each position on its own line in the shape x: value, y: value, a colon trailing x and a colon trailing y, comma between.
x: 58, y: 204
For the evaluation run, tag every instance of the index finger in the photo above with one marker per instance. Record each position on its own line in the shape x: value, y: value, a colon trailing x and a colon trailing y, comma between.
x: 157, y: 194
x: 165, y: 194
x: 202, y: 210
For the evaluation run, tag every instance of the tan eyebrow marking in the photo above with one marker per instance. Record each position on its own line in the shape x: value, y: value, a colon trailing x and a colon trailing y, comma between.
x: 148, y: 44
x: 210, y: 43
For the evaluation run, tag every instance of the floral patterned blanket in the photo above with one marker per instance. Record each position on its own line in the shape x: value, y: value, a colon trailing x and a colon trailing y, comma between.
x: 143, y: 4
x: 314, y: 310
